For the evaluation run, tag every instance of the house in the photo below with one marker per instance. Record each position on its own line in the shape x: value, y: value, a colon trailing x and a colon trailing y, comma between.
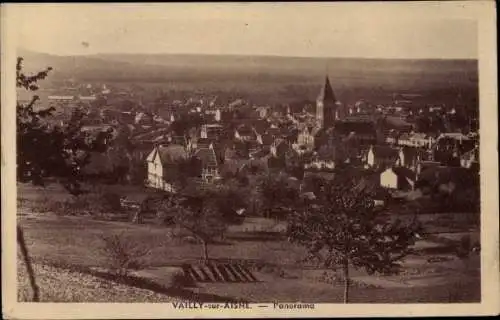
x: 143, y: 118
x: 447, y: 179
x: 161, y: 163
x: 262, y: 111
x: 179, y: 140
x: 274, y: 132
x: 364, y: 129
x: 420, y: 140
x: 470, y: 158
x: 211, y: 130
x: 456, y: 136
x: 409, y: 157
x: 210, y: 170
x: 396, y: 123
x: 244, y: 133
x: 381, y: 156
x: 391, y: 137
x: 127, y: 117
x: 324, y: 159
x: 197, y: 143
x: 306, y: 137
x: 87, y: 98
x: 399, y: 178
x: 236, y: 103
x: 213, y: 115
x: 450, y: 147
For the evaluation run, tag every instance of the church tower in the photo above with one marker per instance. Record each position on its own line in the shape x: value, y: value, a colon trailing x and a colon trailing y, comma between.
x: 326, y: 105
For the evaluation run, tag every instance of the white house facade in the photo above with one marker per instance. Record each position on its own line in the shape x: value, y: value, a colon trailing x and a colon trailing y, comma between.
x: 389, y: 179
x: 155, y: 170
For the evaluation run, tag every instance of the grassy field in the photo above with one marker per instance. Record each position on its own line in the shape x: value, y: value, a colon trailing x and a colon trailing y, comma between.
x: 77, y: 241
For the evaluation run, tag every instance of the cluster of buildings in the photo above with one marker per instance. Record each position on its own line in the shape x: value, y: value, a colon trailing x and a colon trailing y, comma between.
x: 218, y: 139
x: 376, y: 141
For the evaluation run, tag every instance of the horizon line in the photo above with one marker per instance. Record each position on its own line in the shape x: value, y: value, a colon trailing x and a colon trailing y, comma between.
x: 241, y: 55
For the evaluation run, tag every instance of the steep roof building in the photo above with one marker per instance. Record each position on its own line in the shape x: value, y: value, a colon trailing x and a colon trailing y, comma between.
x: 326, y: 105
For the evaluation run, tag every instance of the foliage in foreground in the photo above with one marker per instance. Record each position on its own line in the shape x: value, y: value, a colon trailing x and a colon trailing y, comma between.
x: 51, y: 151
x: 345, y: 229
x: 124, y: 254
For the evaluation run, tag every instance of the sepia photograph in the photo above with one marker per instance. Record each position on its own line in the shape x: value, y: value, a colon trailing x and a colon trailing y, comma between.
x: 253, y: 158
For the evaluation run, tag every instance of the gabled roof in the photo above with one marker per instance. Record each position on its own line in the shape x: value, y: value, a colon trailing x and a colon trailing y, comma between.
x: 326, y: 92
x: 472, y: 154
x: 172, y: 153
x: 168, y: 154
x: 204, y: 143
x: 207, y: 156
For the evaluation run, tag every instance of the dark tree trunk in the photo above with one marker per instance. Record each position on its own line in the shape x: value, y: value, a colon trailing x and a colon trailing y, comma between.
x: 27, y: 262
x: 345, y: 268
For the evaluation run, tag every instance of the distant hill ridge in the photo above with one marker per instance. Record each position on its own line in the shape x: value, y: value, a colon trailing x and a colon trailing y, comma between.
x: 272, y: 77
x: 314, y: 64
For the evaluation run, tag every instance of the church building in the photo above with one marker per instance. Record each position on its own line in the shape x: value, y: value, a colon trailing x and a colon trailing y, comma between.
x: 326, y: 106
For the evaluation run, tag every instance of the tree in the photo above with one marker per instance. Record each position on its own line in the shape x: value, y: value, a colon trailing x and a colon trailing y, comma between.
x: 198, y: 214
x: 181, y: 171
x: 345, y: 229
x: 45, y: 150
x: 279, y: 195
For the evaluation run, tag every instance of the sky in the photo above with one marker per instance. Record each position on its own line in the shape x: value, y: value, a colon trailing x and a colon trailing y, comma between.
x: 369, y: 30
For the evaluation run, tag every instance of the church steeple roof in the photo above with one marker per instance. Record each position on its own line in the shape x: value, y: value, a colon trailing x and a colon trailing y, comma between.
x: 326, y: 92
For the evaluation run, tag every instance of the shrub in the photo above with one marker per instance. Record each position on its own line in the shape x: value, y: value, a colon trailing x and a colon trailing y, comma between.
x: 93, y: 204
x: 124, y: 254
x: 111, y: 201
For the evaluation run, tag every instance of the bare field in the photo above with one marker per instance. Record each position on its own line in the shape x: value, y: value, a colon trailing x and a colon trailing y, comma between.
x: 76, y: 241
